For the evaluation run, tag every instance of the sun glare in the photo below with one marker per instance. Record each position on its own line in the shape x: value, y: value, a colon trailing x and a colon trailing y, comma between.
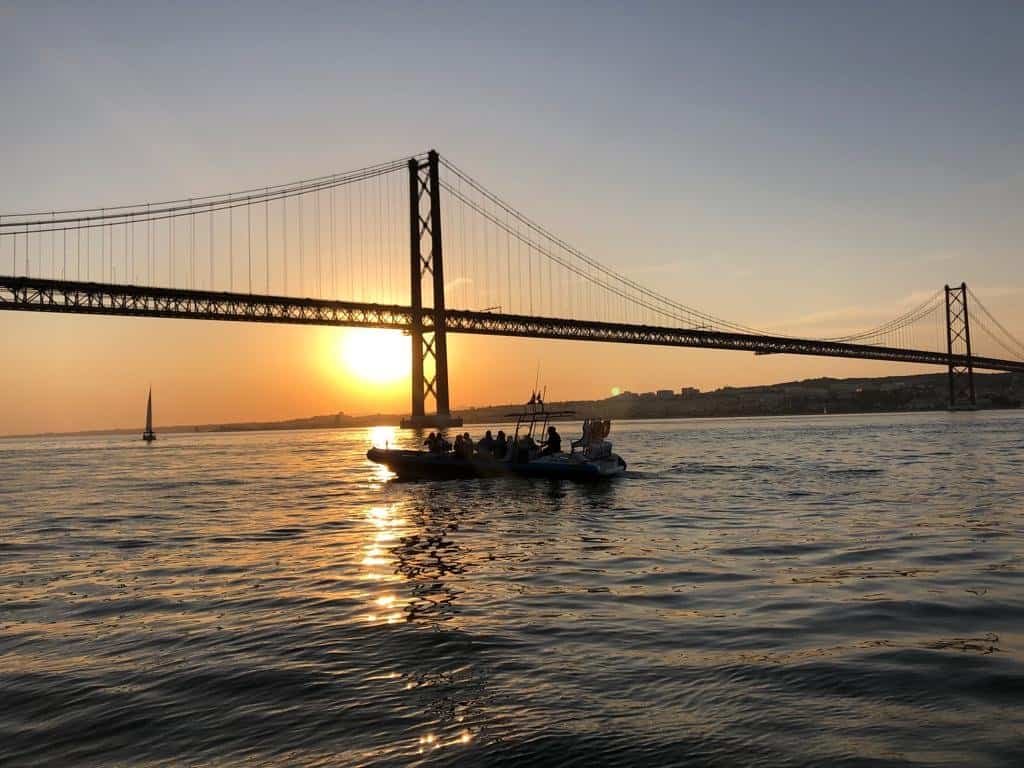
x: 374, y: 356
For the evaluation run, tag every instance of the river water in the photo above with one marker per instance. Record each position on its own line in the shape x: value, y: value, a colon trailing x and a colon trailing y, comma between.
x: 834, y: 590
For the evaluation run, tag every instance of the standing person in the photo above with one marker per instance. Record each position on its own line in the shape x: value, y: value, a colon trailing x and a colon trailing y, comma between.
x: 486, y: 444
x: 431, y: 442
x: 467, y: 445
x: 500, y: 445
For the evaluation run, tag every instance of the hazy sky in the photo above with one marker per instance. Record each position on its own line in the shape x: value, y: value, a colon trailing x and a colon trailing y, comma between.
x: 808, y: 167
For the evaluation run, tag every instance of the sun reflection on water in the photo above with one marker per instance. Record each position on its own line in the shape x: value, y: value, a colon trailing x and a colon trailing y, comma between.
x: 407, y: 563
x: 381, y: 437
x: 385, y: 527
x: 430, y: 741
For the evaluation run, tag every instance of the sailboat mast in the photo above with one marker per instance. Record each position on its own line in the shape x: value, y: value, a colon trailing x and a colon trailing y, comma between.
x: 149, y: 412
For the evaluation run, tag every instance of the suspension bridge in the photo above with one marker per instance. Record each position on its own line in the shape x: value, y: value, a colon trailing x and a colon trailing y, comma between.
x: 358, y: 248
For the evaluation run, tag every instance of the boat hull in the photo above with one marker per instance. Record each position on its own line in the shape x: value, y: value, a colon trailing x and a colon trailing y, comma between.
x: 421, y: 465
x: 562, y: 467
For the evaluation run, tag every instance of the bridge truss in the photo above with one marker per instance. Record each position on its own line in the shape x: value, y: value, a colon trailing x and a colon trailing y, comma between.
x: 63, y: 296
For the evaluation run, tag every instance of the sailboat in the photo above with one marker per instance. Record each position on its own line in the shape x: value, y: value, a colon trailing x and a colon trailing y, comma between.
x: 149, y: 436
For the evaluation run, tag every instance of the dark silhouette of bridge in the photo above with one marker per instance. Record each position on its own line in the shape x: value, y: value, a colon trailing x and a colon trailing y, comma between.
x: 177, y: 258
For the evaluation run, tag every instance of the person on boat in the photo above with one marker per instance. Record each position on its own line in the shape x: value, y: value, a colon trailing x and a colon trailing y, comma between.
x: 500, y: 445
x: 553, y: 444
x: 459, y: 451
x: 433, y: 443
x: 467, y: 446
x: 486, y: 445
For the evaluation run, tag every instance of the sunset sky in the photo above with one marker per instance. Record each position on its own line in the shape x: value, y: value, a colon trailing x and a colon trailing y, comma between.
x: 813, y: 171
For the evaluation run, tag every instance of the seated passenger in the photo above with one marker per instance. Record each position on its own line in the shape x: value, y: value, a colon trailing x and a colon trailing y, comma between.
x: 553, y: 444
x: 431, y: 443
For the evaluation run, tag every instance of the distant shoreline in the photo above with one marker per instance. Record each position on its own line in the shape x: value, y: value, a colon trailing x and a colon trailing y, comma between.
x: 892, y: 394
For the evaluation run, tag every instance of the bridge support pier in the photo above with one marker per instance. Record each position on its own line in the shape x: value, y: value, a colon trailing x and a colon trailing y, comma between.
x: 426, y: 257
x: 958, y: 345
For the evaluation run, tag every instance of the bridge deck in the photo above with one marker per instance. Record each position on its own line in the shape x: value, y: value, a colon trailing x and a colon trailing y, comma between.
x: 36, y: 295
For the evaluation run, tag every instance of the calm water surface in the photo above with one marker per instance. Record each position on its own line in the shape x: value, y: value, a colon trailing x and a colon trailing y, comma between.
x: 805, y: 591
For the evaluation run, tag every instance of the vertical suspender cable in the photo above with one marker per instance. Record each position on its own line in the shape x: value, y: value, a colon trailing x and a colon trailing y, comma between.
x: 209, y: 217
x: 266, y: 240
x: 487, y: 260
x: 349, y: 246
x: 248, y: 226
x: 385, y: 227
x: 395, y: 281
x: 530, y: 276
x: 508, y: 265
x: 334, y: 242
x: 384, y: 272
x: 316, y: 242
x: 462, y: 248
x: 551, y: 289
x: 475, y: 263
x: 519, y: 271
x: 462, y: 251
x: 231, y: 245
x: 284, y: 241
x: 362, y: 250
x: 171, y: 251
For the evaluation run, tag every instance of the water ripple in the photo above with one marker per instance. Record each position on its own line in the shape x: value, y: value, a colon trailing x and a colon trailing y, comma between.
x: 774, y: 592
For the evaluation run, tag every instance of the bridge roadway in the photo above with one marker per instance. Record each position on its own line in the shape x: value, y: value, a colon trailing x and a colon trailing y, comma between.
x: 36, y: 295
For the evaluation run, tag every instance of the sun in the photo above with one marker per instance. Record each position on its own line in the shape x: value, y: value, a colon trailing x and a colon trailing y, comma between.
x: 375, y: 356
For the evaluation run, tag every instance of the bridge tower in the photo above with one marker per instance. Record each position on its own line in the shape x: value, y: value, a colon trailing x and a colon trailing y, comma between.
x: 426, y: 257
x: 958, y: 342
